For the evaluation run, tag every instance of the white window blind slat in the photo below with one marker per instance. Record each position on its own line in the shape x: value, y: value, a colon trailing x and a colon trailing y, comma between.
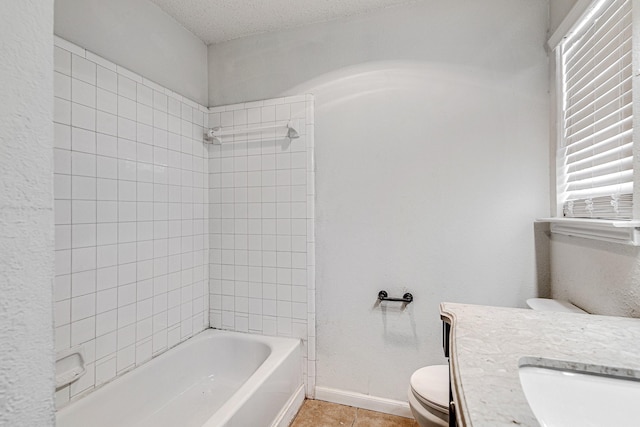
x: 615, y: 81
x: 598, y: 75
x: 615, y: 178
x: 595, y: 156
x: 600, y: 54
x: 601, y: 169
x: 608, y: 156
x: 598, y: 135
x: 599, y: 62
x: 611, y: 191
x: 602, y: 117
x: 598, y: 38
x: 606, y: 10
x: 602, y: 98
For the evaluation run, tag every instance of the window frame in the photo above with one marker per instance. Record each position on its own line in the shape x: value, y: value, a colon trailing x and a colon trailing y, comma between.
x: 610, y: 230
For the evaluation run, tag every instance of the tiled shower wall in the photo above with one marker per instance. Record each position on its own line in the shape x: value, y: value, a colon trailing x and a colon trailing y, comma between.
x: 261, y: 194
x: 131, y: 214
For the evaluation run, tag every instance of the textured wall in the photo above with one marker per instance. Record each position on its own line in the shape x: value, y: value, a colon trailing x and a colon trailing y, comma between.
x: 26, y: 214
x: 431, y: 133
x: 137, y: 35
x: 599, y: 277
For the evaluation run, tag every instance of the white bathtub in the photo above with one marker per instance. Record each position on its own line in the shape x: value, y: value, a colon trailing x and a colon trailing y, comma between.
x: 215, y: 379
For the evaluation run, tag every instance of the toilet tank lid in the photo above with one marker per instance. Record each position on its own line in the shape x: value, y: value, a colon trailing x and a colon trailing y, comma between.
x: 432, y: 384
x: 546, y: 304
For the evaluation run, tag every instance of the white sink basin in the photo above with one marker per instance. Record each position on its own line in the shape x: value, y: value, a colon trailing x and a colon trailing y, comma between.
x: 564, y: 394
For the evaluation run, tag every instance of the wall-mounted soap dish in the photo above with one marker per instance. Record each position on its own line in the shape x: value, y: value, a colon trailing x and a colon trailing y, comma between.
x: 69, y: 366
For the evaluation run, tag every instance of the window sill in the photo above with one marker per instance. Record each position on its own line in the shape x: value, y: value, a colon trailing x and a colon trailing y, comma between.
x: 616, y: 231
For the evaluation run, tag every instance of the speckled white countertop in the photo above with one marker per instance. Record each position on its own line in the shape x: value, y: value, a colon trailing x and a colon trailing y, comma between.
x: 487, y: 344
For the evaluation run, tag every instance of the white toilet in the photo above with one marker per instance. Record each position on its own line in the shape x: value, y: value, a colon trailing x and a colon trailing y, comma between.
x: 429, y: 396
x: 429, y: 386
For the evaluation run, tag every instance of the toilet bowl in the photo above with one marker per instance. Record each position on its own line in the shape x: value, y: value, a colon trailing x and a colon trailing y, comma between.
x: 429, y: 386
x: 429, y: 396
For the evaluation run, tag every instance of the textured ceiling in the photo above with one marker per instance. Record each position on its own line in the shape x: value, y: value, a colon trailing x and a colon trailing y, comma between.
x: 215, y: 21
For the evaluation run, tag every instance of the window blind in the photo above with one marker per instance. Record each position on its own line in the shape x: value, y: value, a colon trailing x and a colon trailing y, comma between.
x: 595, y: 156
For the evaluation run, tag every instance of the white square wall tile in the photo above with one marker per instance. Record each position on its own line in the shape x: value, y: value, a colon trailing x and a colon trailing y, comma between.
x: 83, y: 140
x: 83, y: 307
x: 106, y: 167
x: 62, y: 136
x: 144, y: 114
x: 107, y: 79
x: 83, y: 259
x: 83, y: 117
x: 62, y: 61
x: 83, y: 164
x: 127, y: 129
x: 144, y: 95
x: 83, y: 211
x: 106, y: 145
x: 126, y: 107
x: 106, y: 101
x: 107, y: 300
x: 105, y: 371
x: 268, y: 114
x: 83, y: 69
x: 127, y: 87
x: 126, y: 358
x: 83, y: 283
x: 61, y: 86
x: 283, y: 112
x: 106, y: 322
x: 86, y: 382
x: 83, y: 93
x: 107, y: 255
x: 83, y: 235
x: 62, y: 111
x: 173, y: 107
x: 83, y: 330
x: 62, y: 313
x: 106, y: 123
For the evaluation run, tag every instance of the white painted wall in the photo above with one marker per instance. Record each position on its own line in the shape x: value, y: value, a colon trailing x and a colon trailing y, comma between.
x: 600, y: 277
x: 26, y: 214
x: 139, y: 36
x: 431, y: 165
x: 558, y: 9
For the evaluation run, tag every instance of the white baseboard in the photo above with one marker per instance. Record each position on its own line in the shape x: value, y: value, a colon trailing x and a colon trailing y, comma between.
x: 291, y: 409
x: 364, y: 401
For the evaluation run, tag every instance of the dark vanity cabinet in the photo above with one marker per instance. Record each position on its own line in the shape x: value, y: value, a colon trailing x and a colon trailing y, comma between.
x: 446, y: 336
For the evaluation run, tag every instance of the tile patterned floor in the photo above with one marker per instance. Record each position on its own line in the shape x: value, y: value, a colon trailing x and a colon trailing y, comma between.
x: 316, y: 413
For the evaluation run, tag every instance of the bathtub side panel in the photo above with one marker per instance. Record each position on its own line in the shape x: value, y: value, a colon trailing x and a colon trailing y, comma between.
x: 265, y: 405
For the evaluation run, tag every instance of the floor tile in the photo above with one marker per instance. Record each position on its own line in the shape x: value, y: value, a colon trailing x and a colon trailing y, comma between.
x: 365, y: 418
x: 316, y: 413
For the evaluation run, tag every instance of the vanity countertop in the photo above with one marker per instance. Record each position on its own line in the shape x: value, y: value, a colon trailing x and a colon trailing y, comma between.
x: 488, y: 342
